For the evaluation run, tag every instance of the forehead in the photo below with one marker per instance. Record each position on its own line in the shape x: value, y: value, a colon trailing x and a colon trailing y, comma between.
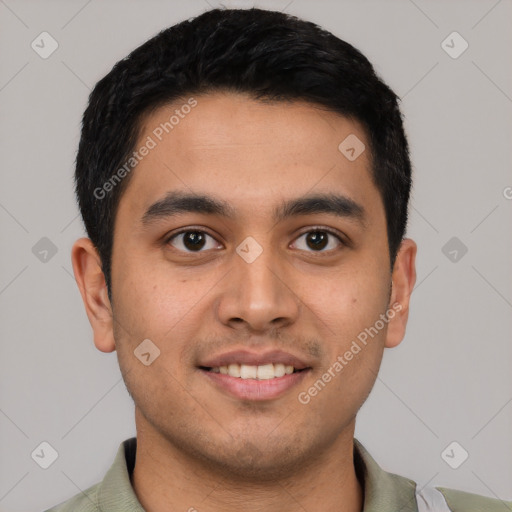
x: 247, y: 152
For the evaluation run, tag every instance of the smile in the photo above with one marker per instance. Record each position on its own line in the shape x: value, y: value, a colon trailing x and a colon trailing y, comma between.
x: 261, y: 372
x: 255, y: 383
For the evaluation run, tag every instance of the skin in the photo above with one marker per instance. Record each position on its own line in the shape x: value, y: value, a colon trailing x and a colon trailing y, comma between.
x: 197, y: 446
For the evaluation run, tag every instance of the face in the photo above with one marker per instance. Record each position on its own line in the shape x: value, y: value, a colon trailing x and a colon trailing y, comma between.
x: 251, y: 271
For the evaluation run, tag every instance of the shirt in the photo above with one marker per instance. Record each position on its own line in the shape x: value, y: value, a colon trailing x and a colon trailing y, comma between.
x: 383, y: 491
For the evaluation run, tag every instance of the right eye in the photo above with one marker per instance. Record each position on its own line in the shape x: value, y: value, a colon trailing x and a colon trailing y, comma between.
x: 190, y: 240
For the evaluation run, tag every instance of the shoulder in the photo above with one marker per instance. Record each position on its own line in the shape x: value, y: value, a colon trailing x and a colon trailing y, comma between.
x: 461, y: 501
x: 86, y: 501
x: 114, y: 493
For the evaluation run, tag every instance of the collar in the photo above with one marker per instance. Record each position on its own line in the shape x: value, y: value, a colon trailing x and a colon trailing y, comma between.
x: 383, y: 491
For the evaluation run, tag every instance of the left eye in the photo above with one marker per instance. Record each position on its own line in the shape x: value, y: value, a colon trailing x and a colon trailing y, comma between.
x: 318, y: 240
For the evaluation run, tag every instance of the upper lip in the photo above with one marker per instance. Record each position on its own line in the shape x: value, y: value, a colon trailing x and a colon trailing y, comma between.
x: 254, y: 359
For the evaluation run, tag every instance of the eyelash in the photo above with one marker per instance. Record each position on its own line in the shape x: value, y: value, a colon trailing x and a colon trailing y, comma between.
x: 310, y: 230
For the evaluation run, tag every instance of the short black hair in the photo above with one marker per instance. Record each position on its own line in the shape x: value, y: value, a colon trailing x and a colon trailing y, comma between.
x: 272, y: 56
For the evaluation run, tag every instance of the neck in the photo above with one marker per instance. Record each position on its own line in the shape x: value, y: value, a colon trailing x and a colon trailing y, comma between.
x: 165, y: 478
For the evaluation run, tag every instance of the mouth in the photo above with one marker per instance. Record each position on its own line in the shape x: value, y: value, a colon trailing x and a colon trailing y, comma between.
x: 255, y: 377
x: 258, y: 372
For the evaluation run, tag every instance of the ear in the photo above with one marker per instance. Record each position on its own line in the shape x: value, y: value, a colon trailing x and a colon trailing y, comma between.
x: 403, y: 280
x: 91, y: 282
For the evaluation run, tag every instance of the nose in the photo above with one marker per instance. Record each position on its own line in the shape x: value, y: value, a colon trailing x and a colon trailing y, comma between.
x: 259, y: 296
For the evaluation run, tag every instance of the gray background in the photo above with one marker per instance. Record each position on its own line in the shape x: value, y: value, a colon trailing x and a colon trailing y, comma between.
x: 449, y: 380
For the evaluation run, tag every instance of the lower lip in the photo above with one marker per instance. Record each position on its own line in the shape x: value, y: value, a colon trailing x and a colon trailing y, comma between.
x: 253, y: 389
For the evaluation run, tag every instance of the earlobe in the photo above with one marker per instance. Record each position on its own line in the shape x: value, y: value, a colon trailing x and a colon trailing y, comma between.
x: 91, y: 283
x: 403, y: 279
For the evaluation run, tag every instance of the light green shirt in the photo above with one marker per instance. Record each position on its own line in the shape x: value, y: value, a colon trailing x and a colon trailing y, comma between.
x: 383, y: 491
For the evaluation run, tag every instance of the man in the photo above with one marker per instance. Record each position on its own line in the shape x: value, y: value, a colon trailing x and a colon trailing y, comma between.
x: 244, y: 180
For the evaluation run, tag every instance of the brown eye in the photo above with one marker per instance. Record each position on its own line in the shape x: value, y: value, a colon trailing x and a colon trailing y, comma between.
x: 318, y: 239
x: 191, y: 241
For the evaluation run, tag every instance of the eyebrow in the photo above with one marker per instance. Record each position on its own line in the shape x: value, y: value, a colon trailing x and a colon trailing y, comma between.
x: 177, y: 202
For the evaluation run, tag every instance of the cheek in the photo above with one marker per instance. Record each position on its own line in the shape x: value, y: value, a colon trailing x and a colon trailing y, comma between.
x: 348, y: 311
x: 153, y: 303
x: 348, y: 301
x: 153, y: 298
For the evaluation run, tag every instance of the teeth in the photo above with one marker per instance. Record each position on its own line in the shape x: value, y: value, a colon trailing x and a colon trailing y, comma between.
x: 266, y: 372
x: 279, y: 370
x: 248, y: 372
x: 234, y: 370
x: 262, y: 372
